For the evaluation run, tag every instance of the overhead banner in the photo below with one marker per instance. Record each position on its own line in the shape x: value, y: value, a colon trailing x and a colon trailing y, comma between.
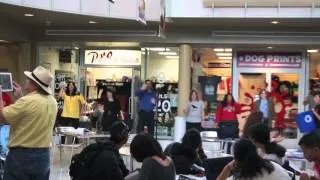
x: 142, y: 12
x: 113, y: 57
x: 269, y: 59
x: 162, y: 24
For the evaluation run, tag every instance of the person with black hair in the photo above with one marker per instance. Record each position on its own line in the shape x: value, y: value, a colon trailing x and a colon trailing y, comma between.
x: 259, y: 134
x: 73, y: 101
x: 226, y: 118
x: 187, y: 153
x: 106, y: 162
x: 310, y: 145
x: 155, y: 164
x: 247, y: 164
x: 255, y: 117
x: 112, y: 109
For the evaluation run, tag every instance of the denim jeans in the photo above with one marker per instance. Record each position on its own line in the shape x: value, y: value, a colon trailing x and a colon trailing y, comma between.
x: 27, y: 164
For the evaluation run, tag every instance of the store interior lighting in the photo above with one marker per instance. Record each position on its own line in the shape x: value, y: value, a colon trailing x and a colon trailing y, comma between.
x: 159, y: 49
x: 168, y: 53
x: 172, y: 57
x: 225, y: 58
x: 223, y: 54
x: 219, y: 50
x: 312, y: 50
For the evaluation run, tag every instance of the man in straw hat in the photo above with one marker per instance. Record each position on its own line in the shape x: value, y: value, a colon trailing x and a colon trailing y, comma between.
x: 31, y: 118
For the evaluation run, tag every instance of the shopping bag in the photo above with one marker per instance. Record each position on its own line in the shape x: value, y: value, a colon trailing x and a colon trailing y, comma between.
x: 305, y: 121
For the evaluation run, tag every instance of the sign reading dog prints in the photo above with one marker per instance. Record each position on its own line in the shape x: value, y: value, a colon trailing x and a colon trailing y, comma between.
x: 269, y: 59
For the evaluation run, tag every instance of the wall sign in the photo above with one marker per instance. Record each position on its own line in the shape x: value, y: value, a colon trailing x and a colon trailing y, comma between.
x: 112, y: 57
x: 269, y: 60
x: 164, y: 105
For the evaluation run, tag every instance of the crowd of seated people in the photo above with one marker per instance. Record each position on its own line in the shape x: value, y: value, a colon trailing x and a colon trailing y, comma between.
x: 255, y: 156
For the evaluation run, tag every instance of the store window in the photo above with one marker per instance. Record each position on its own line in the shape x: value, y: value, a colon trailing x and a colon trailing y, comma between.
x: 63, y: 63
x: 162, y: 67
x: 282, y: 75
x: 211, y: 75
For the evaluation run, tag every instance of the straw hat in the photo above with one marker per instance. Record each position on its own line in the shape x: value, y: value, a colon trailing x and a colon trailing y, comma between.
x: 42, y: 77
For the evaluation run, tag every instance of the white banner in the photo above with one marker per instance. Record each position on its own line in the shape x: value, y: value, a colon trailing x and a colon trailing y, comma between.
x: 113, y: 57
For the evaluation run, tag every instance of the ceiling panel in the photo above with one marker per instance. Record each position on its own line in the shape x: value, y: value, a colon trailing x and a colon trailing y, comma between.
x: 260, y: 3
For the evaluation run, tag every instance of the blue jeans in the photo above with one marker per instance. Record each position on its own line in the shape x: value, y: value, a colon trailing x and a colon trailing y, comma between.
x: 27, y: 164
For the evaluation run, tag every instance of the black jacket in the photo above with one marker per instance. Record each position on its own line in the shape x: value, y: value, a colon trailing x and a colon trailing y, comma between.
x: 184, y: 157
x: 109, y: 165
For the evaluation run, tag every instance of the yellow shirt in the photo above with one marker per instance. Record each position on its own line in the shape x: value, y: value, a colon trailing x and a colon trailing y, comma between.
x: 72, y: 105
x: 32, y: 119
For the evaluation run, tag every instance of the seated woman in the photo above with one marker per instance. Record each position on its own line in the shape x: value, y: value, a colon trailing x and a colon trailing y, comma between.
x: 247, y: 164
x: 156, y: 166
x: 259, y: 134
x: 187, y: 153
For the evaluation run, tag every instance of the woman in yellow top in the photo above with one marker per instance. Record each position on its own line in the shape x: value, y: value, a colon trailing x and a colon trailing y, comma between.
x: 73, y: 103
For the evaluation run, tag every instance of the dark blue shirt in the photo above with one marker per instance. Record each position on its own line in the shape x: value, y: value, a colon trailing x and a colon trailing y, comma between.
x: 145, y: 100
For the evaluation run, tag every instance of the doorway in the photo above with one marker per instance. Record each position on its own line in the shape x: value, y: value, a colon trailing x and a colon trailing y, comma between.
x: 124, y: 81
x: 283, y: 89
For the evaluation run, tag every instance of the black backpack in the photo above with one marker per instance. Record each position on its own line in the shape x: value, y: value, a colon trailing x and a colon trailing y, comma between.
x: 80, y: 167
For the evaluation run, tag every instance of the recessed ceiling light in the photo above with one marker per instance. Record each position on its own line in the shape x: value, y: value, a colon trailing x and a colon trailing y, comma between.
x: 28, y: 15
x: 312, y: 50
x: 270, y: 47
x: 3, y: 41
x: 275, y: 22
x: 218, y: 50
x: 224, y: 54
x: 93, y: 22
x: 225, y: 58
x: 168, y: 53
x: 172, y: 57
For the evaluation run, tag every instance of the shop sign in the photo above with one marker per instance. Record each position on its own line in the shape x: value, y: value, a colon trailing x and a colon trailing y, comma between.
x: 269, y: 60
x: 164, y: 105
x: 112, y: 57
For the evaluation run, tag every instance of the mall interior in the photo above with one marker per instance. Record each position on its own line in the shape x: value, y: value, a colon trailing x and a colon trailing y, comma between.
x: 215, y: 47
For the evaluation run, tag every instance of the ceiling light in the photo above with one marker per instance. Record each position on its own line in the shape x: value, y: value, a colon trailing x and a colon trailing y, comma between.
x: 159, y: 49
x: 275, y: 22
x: 225, y: 58
x: 76, y: 48
x: 224, y: 54
x: 228, y: 50
x: 3, y: 41
x: 93, y: 22
x: 172, y: 57
x: 312, y: 50
x: 168, y: 53
x: 218, y: 50
x: 28, y: 15
x: 270, y: 47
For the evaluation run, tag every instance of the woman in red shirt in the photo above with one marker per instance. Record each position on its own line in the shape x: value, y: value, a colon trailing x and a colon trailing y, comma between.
x: 226, y: 118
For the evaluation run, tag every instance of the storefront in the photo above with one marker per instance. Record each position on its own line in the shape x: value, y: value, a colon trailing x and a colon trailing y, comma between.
x: 283, y: 74
x: 115, y: 69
